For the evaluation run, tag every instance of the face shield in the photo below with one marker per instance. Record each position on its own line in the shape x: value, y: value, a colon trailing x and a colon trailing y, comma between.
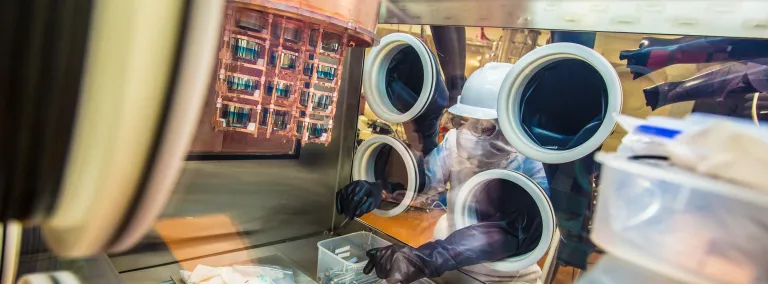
x: 479, y: 142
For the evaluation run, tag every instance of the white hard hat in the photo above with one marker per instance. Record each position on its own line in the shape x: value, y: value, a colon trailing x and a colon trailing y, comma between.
x: 478, y: 98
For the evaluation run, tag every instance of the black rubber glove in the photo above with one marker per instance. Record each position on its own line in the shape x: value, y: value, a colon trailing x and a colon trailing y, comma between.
x: 479, y: 243
x: 394, y: 263
x: 404, y: 83
x: 358, y: 198
x: 451, y: 52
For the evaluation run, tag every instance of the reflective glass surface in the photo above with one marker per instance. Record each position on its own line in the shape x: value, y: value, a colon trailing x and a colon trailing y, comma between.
x: 286, y: 117
x: 560, y: 101
x: 405, y: 70
x: 562, y: 105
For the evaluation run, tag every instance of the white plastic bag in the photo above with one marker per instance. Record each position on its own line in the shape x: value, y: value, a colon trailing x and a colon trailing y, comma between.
x: 647, y: 137
x: 723, y: 147
x: 238, y: 274
x: 730, y: 151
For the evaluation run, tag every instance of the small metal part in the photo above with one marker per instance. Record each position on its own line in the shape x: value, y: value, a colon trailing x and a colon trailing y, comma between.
x: 342, y: 223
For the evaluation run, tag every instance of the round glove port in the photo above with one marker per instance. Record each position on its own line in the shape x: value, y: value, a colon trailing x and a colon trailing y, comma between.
x: 375, y: 152
x: 490, y: 188
x: 401, y: 79
x: 556, y: 103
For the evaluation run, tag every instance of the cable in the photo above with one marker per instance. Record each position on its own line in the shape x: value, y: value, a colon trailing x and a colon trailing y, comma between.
x: 754, y: 109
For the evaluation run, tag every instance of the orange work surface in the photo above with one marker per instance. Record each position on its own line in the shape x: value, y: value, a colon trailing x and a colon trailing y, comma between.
x: 413, y: 227
x: 188, y: 238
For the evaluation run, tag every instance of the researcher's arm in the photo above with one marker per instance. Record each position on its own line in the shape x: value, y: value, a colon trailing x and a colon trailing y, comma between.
x: 479, y: 243
x: 437, y: 169
x: 451, y: 47
x: 426, y: 124
x: 501, y: 236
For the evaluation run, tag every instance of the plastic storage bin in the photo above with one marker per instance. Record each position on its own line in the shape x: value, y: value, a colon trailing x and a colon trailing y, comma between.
x: 613, y: 270
x: 332, y: 255
x: 690, y: 227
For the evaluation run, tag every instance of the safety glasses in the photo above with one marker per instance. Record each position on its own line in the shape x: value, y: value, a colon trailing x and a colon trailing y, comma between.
x: 478, y: 127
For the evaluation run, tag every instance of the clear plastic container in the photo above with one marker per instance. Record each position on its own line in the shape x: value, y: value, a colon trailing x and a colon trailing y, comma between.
x: 613, y: 270
x: 688, y: 226
x: 345, y: 254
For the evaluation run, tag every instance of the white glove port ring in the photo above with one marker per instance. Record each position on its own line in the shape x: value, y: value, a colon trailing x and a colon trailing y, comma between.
x: 511, y: 101
x: 375, y: 72
x: 465, y: 215
x: 365, y: 159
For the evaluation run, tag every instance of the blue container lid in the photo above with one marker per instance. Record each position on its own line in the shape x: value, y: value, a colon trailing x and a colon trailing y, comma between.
x: 658, y: 131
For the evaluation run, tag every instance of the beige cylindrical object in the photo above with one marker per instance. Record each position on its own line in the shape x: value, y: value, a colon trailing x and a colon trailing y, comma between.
x: 359, y: 17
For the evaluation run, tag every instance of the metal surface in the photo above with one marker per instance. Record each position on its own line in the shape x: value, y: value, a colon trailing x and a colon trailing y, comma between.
x: 739, y: 18
x: 300, y: 256
x: 266, y: 200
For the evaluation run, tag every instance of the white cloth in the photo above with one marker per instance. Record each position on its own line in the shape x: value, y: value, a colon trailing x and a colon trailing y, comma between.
x: 202, y: 274
x: 237, y: 274
x: 529, y: 275
x: 725, y: 150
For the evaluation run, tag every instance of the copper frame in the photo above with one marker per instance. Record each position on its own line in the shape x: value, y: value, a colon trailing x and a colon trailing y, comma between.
x: 272, y: 39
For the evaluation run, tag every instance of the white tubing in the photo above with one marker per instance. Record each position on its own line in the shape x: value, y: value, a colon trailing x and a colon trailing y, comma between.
x: 374, y: 77
x: 194, y: 75
x: 512, y: 90
x: 119, y: 111
x: 465, y: 215
x: 364, y: 161
x: 57, y: 277
x: 11, y: 232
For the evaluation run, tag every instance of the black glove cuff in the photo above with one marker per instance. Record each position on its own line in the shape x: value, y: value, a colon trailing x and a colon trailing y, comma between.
x: 455, y: 82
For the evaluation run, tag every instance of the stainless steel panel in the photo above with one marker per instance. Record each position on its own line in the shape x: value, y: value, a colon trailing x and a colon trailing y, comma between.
x: 348, y: 128
x: 300, y: 256
x: 733, y: 18
x: 265, y: 200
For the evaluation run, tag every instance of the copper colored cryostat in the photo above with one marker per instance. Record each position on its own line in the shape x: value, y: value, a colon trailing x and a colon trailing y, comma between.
x: 280, y: 66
